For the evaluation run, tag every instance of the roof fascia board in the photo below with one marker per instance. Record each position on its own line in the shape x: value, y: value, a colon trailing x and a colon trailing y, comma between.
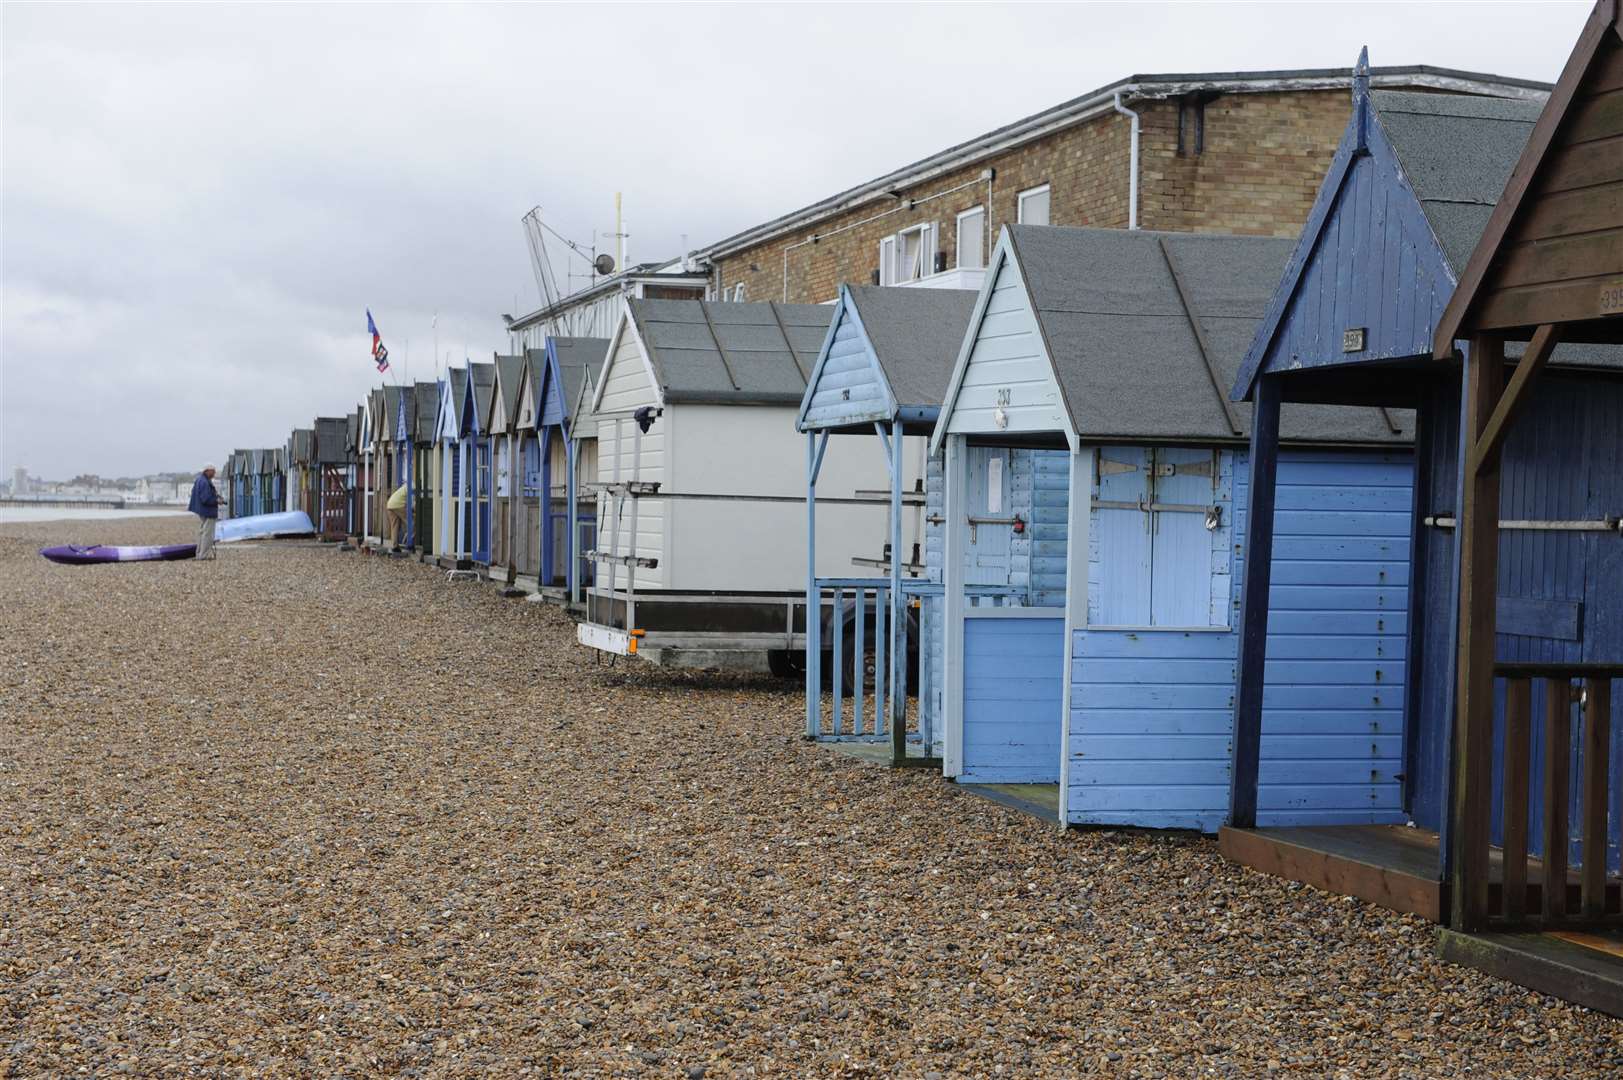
x: 846, y: 308
x: 1605, y: 18
x: 1003, y: 254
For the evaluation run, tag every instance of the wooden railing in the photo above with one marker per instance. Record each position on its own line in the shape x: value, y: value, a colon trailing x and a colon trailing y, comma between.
x: 1553, y: 898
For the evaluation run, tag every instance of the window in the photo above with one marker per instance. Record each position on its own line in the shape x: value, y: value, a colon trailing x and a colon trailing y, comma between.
x: 738, y: 293
x: 1159, y: 536
x: 972, y: 238
x: 1031, y: 206
x: 908, y: 255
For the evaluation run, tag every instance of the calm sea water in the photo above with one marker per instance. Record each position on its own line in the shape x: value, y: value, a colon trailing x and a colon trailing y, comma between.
x: 9, y: 514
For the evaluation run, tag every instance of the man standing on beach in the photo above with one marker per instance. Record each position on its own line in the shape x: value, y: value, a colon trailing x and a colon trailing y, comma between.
x: 206, y: 505
x: 397, y: 516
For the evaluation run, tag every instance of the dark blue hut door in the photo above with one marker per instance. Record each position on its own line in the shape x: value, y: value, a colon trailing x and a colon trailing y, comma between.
x: 481, y: 491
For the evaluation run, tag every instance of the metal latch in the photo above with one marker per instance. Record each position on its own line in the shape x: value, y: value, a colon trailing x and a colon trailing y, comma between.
x: 1185, y: 468
x: 1017, y: 522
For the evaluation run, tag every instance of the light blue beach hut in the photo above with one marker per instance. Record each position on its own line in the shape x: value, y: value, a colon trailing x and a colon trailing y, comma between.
x: 881, y: 373
x: 1107, y: 683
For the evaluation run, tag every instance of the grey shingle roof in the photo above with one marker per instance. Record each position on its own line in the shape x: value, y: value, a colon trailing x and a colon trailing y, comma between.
x: 1126, y: 354
x: 484, y: 385
x: 731, y: 353
x: 388, y: 423
x: 331, y: 432
x: 579, y: 359
x: 459, y: 387
x: 428, y: 403
x: 509, y: 370
x: 1457, y: 153
x: 915, y: 334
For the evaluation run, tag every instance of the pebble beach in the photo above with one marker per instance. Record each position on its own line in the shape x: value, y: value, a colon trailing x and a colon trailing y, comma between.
x: 300, y: 812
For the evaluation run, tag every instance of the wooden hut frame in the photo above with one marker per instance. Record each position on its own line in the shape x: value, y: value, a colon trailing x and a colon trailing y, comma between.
x: 499, y: 421
x: 1434, y: 166
x: 1548, y: 270
x: 557, y: 378
x: 882, y: 371
x: 452, y: 544
x: 331, y: 477
x: 476, y: 451
x: 1106, y: 678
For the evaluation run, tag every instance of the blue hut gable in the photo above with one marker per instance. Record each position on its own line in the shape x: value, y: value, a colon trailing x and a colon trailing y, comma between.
x: 1406, y: 197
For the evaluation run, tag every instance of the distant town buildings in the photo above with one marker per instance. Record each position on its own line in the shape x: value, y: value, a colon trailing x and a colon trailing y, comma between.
x: 156, y: 489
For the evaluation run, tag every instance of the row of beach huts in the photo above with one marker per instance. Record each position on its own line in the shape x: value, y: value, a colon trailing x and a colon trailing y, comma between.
x: 1313, y: 544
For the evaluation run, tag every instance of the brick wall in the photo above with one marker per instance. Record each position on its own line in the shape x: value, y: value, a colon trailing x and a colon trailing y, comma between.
x: 1264, y: 156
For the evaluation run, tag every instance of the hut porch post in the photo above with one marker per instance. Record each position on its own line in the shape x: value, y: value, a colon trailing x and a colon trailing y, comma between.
x: 1258, y: 564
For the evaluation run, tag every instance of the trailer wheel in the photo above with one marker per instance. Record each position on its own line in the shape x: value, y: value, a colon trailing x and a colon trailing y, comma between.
x: 786, y: 663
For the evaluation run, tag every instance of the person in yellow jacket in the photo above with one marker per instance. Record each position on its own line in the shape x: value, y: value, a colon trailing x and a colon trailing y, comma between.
x: 397, y: 515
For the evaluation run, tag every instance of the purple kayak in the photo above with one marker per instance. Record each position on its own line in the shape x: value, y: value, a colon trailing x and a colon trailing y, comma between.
x: 74, y: 555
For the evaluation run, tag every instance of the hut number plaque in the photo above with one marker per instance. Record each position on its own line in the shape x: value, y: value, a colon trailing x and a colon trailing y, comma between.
x: 1352, y: 340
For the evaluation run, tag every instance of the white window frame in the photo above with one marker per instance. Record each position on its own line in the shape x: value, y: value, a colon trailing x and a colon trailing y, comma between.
x: 738, y: 293
x: 887, y: 260
x: 1020, y: 202
x: 978, y: 211
x: 893, y: 247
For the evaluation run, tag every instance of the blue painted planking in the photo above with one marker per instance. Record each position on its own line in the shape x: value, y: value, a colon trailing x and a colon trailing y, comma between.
x: 1561, y: 461
x: 1151, y: 720
x: 1367, y: 258
x: 848, y: 386
x: 1012, y: 662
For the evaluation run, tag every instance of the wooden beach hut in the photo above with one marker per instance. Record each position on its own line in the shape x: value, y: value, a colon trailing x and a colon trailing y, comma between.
x: 1547, y: 272
x: 302, y: 472
x: 234, y: 483
x: 882, y: 374
x: 581, y: 467
x: 526, y: 480
x: 499, y: 421
x: 353, y: 423
x: 331, y: 477
x: 452, y: 545
x: 476, y: 451
x: 1411, y: 189
x: 558, y: 379
x: 372, y: 467
x: 1104, y: 680
x: 420, y: 423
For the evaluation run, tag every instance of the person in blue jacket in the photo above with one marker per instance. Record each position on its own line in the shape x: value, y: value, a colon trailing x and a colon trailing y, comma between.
x: 206, y: 505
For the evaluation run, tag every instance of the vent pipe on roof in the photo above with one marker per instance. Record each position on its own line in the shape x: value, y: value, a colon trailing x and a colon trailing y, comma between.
x: 1132, y: 163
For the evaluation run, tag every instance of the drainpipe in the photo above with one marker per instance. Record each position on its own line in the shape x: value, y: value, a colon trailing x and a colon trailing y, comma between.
x: 1132, y: 164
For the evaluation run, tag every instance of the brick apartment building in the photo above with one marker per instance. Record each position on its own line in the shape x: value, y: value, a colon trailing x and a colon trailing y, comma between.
x: 1222, y: 152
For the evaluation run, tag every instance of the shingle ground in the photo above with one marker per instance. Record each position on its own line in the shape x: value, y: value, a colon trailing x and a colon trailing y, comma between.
x: 300, y: 812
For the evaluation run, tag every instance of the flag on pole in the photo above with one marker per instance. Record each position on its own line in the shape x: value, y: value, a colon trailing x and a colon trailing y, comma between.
x: 379, y: 353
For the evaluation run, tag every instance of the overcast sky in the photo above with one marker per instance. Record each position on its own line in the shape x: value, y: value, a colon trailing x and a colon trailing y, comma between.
x: 200, y: 203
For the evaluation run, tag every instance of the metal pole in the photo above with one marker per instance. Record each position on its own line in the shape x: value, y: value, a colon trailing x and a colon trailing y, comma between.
x: 898, y: 623
x: 814, y: 619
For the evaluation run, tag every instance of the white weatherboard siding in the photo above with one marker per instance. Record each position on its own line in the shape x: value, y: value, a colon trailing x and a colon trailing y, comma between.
x: 755, y: 450
x: 640, y: 456
x: 1007, y: 366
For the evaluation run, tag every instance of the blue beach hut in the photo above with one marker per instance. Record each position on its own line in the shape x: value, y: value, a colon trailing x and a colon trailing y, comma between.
x: 1105, y: 683
x: 451, y: 545
x: 476, y: 454
x: 881, y: 373
x: 1530, y: 588
x: 1407, y: 195
x: 559, y: 377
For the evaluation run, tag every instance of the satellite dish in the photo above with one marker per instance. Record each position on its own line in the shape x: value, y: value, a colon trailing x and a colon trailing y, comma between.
x: 604, y: 264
